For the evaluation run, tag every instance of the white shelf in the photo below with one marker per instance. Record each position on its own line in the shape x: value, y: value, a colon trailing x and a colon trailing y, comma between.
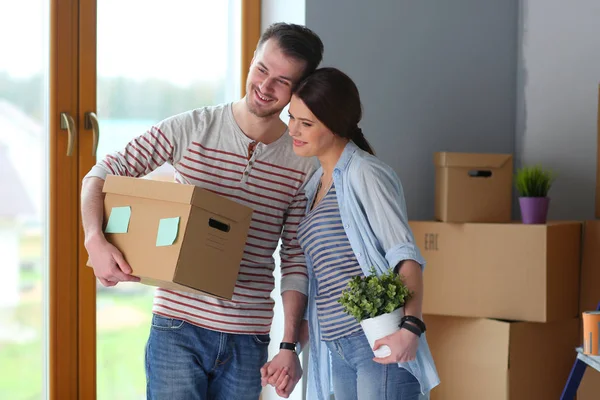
x: 592, y: 361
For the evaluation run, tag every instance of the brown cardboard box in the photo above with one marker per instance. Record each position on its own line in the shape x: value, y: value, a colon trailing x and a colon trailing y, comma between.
x: 589, y: 389
x: 598, y: 161
x: 508, y: 271
x: 590, y: 267
x: 479, y: 358
x: 472, y: 187
x: 208, y: 241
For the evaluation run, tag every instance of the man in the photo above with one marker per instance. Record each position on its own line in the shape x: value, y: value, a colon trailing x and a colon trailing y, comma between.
x: 201, y: 347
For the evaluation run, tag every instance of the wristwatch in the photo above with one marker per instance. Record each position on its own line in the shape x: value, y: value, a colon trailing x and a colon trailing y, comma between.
x: 412, y: 328
x: 294, y: 347
x: 411, y: 318
x: 415, y: 325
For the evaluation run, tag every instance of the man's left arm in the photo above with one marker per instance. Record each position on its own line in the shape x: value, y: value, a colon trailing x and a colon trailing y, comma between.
x: 284, y: 371
x: 294, y: 304
x: 294, y: 290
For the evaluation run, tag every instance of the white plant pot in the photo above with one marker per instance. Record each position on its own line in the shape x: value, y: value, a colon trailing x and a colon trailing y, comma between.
x: 381, y: 326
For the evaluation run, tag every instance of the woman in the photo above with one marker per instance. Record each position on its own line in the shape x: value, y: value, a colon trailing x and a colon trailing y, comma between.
x: 355, y: 218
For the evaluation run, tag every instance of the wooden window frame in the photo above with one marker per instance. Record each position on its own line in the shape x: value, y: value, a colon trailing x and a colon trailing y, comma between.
x: 63, y: 200
x: 251, y: 21
x: 72, y: 285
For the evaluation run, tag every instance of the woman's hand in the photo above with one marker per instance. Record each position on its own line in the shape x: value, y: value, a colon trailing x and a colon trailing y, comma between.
x: 403, y: 344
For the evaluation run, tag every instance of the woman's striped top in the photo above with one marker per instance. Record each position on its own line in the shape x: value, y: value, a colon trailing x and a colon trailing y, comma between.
x: 322, y: 237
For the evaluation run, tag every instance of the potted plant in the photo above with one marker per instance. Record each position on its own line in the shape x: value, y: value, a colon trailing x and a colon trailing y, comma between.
x: 377, y: 303
x: 533, y: 184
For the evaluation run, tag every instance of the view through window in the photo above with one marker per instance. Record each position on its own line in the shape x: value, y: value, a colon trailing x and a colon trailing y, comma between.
x: 155, y: 59
x: 23, y: 198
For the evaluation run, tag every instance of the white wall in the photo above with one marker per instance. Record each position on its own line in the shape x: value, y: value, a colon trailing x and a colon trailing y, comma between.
x: 292, y: 11
x: 557, y: 101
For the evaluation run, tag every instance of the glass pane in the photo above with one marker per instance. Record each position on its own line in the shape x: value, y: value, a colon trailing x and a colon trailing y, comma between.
x: 155, y: 59
x: 23, y: 198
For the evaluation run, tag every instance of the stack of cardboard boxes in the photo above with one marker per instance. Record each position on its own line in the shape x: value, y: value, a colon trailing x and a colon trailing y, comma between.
x: 501, y: 298
x: 590, y: 278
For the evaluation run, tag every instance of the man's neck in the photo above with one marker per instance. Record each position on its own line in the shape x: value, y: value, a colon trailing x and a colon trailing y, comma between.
x: 260, y: 129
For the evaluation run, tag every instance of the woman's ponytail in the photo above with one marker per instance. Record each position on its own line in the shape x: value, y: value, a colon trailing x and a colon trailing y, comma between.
x: 358, y: 137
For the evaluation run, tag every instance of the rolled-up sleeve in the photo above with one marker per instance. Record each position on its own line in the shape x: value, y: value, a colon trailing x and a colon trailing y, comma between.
x: 294, y: 275
x: 381, y: 196
x: 141, y: 155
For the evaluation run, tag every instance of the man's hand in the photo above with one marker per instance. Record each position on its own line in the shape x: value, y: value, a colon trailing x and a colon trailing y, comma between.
x: 283, y: 373
x: 108, y: 263
x: 280, y: 377
x: 403, y: 344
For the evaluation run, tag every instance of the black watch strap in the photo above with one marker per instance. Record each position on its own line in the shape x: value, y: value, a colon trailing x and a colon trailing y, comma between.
x: 288, y: 346
x: 412, y: 328
x: 414, y: 320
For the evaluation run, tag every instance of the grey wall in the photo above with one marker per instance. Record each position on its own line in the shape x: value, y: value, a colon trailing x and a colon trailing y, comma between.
x: 559, y: 71
x: 433, y: 76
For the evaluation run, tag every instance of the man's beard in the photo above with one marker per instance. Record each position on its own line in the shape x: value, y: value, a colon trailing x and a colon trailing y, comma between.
x: 256, y: 110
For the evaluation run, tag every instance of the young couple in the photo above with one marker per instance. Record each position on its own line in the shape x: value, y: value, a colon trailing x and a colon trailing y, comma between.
x: 334, y: 223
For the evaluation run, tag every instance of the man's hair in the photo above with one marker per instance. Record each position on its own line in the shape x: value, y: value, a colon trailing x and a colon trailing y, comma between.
x: 296, y: 41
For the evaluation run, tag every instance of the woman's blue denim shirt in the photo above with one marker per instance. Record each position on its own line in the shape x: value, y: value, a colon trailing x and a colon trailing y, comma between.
x: 373, y: 212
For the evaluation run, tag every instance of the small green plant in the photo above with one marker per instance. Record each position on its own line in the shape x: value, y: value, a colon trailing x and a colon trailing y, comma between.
x: 534, y: 181
x: 370, y: 296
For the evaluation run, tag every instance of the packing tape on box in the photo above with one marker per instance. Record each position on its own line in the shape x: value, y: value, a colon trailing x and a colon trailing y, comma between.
x: 591, y: 331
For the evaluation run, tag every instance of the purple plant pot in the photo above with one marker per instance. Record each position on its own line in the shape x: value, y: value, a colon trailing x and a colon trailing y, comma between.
x: 534, y: 210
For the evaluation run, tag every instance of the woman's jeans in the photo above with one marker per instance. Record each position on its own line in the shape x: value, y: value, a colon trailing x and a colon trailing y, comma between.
x: 186, y: 362
x: 357, y: 376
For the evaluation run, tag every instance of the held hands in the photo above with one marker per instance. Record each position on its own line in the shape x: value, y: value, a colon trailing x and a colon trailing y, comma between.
x: 283, y: 373
x: 403, y: 344
x: 108, y: 263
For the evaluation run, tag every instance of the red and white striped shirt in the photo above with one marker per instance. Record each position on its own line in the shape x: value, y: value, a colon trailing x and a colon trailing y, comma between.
x: 208, y: 149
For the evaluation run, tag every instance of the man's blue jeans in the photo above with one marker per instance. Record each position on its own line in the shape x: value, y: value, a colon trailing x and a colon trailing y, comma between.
x: 186, y: 362
x: 357, y: 376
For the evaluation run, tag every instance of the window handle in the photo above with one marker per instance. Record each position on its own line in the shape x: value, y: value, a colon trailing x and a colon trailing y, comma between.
x: 67, y: 122
x: 91, y: 122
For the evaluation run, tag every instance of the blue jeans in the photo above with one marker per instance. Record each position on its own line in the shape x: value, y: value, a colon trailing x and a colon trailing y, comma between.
x: 186, y: 362
x: 357, y: 376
